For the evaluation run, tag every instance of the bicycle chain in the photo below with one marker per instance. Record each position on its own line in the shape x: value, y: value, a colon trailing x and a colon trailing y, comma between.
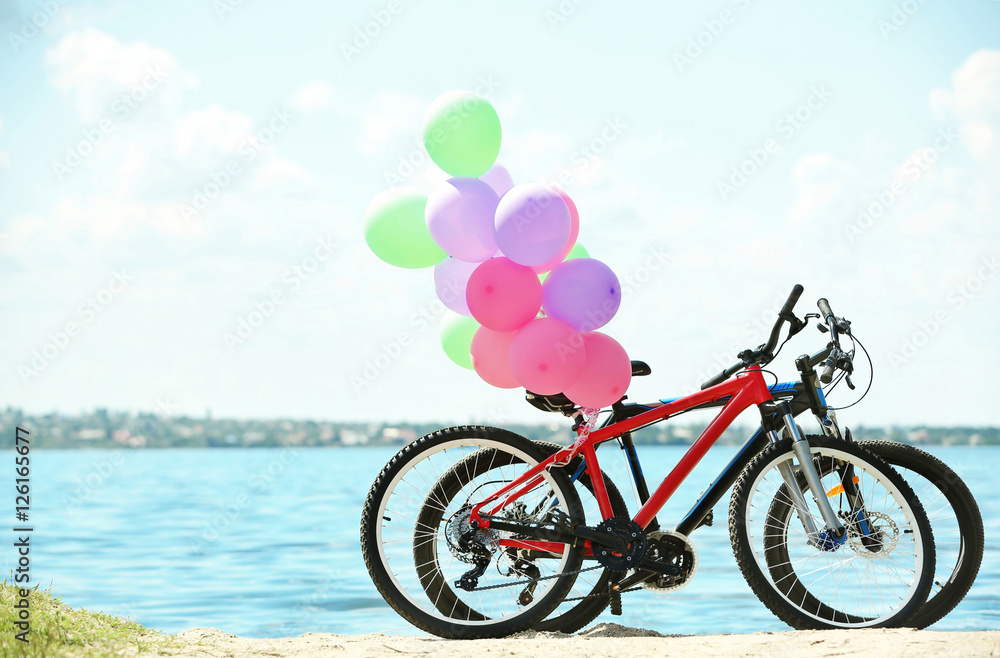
x: 558, y: 575
x: 535, y: 580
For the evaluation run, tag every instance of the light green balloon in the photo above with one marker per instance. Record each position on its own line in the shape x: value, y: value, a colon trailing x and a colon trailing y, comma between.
x: 577, y: 252
x: 396, y: 231
x: 462, y: 134
x: 456, y: 338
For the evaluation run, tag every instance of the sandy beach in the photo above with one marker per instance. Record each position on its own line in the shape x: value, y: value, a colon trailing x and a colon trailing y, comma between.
x: 602, y: 640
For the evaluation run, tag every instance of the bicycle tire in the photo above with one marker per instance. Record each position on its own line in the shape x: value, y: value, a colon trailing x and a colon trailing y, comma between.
x: 587, y: 609
x: 390, y: 536
x: 773, y: 573
x: 934, y: 477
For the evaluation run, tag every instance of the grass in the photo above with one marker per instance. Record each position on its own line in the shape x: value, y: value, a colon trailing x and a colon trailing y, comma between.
x: 59, y: 630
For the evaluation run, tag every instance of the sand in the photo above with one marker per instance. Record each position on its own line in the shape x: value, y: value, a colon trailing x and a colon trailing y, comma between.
x: 602, y: 640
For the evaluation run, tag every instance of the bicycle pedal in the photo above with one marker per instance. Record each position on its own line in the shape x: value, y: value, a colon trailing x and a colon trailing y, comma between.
x: 615, y: 601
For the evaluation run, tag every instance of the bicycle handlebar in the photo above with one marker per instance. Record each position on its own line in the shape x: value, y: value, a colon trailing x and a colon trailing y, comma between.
x: 826, y: 376
x: 785, y: 314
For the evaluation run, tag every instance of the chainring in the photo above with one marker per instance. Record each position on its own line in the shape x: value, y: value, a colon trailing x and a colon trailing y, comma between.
x: 630, y: 554
x: 675, y: 549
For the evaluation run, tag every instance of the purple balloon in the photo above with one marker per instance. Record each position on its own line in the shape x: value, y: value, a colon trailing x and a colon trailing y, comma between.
x: 583, y: 292
x: 451, y: 276
x: 459, y: 218
x: 499, y: 179
x: 532, y: 224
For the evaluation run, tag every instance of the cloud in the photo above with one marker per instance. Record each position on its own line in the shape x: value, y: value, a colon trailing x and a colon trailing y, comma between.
x: 313, y: 96
x: 103, y: 76
x: 974, y: 101
x: 159, y: 160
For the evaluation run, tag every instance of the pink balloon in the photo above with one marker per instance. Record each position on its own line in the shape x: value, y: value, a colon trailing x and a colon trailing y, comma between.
x: 532, y: 224
x: 498, y: 178
x: 574, y: 233
x: 459, y: 216
x: 606, y: 375
x: 503, y: 295
x: 547, y: 356
x: 491, y: 357
x: 582, y: 292
x: 451, y: 276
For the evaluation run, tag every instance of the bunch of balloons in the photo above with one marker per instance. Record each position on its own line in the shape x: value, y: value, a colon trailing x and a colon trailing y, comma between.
x: 526, y: 298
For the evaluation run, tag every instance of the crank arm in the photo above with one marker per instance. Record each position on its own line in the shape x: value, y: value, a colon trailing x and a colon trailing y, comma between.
x: 557, y: 535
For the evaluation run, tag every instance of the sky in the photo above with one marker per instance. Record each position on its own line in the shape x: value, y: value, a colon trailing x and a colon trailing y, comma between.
x: 169, y: 170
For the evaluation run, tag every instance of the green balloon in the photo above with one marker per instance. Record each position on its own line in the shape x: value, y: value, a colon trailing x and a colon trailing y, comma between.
x: 456, y: 338
x: 462, y: 134
x: 396, y: 231
x: 577, y: 252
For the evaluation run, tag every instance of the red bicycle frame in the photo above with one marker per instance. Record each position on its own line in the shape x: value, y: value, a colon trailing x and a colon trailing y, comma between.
x: 746, y: 389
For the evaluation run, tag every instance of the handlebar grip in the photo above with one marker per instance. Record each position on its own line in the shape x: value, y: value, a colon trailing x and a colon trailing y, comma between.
x: 718, y: 379
x: 722, y: 376
x: 827, y: 375
x: 792, y: 299
x: 824, y: 308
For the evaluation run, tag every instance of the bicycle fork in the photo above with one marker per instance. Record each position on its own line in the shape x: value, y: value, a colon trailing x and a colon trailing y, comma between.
x: 831, y: 536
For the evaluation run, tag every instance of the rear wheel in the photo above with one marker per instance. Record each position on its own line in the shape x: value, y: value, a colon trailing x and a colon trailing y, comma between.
x: 955, y: 518
x: 877, y: 574
x: 418, y: 544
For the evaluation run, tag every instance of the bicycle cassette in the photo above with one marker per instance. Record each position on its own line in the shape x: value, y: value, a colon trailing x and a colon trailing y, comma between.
x: 633, y: 548
x: 676, y: 551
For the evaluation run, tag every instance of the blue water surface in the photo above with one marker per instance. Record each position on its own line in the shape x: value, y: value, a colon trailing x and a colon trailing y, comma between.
x: 265, y: 542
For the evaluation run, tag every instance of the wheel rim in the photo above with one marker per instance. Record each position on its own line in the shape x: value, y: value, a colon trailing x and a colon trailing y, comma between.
x: 949, y: 546
x: 405, y: 495
x: 843, y: 587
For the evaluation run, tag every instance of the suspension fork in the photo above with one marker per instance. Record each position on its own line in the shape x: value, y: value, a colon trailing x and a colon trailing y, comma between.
x: 800, y: 447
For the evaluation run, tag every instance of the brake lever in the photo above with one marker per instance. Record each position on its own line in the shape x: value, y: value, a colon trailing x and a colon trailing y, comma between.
x: 850, y: 384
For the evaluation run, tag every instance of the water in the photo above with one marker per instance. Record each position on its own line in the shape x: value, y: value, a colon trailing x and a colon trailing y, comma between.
x: 264, y: 542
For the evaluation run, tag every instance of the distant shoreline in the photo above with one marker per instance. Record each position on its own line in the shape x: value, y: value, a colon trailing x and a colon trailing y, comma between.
x: 108, y: 430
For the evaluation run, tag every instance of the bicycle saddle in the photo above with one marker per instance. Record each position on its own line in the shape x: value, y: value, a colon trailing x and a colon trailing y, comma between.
x: 639, y: 368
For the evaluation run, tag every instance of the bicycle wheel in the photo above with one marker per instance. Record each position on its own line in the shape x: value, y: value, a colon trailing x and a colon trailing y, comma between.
x: 955, y: 518
x: 877, y: 575
x: 588, y: 598
x: 414, y: 535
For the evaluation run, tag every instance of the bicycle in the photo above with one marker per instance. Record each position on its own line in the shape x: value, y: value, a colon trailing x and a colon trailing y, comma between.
x: 956, y: 521
x: 459, y: 501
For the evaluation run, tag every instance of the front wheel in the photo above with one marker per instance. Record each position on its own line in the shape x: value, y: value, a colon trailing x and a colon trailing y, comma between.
x: 876, y: 575
x: 955, y: 517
